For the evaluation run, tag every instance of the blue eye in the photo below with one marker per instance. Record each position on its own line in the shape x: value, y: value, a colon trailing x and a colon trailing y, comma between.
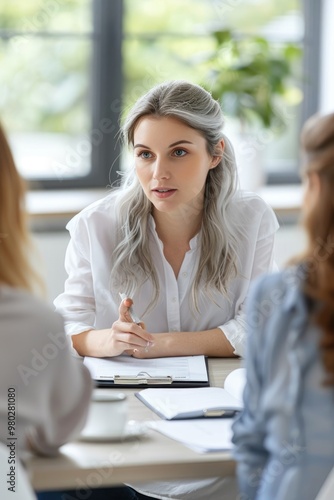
x: 145, y: 155
x: 179, y: 152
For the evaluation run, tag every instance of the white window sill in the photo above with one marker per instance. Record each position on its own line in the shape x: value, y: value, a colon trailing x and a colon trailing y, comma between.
x: 61, y: 203
x: 50, y: 207
x: 284, y: 199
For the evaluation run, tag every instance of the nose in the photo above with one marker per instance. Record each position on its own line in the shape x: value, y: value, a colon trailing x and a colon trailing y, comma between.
x: 160, y: 169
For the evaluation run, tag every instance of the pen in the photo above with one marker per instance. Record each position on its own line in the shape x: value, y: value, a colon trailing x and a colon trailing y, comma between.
x: 135, y: 318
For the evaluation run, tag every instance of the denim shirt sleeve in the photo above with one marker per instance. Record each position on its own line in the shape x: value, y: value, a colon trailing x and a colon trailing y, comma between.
x: 249, y: 428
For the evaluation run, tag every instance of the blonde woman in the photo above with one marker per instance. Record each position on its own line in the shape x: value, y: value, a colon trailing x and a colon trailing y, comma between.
x: 35, y: 359
x: 177, y: 237
x: 285, y: 436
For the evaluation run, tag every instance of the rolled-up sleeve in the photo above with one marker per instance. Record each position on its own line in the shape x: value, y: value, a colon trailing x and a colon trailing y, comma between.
x: 77, y: 303
x: 234, y: 330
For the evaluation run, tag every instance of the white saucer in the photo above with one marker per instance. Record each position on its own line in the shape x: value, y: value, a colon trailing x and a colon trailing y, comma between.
x: 132, y: 430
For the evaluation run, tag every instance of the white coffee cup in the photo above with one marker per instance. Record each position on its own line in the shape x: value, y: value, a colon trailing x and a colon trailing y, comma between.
x: 107, y: 416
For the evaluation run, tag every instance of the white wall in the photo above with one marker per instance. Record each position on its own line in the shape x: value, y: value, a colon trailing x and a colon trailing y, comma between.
x: 52, y: 248
x: 290, y: 241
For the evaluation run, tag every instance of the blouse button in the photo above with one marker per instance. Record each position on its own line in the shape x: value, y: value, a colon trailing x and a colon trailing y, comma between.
x: 173, y: 299
x: 184, y: 274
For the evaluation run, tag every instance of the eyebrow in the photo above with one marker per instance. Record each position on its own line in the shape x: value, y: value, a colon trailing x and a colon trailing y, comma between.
x: 183, y: 141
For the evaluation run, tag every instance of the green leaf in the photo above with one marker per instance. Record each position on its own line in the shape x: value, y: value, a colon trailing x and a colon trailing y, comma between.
x: 222, y: 37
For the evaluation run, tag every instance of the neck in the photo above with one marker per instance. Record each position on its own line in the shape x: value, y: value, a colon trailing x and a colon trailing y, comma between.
x: 175, y: 227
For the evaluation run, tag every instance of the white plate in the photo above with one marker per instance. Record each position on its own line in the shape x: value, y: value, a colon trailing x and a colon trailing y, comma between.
x: 132, y: 430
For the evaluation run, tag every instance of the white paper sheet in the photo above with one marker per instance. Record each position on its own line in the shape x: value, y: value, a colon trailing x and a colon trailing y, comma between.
x: 180, y: 368
x: 202, y: 435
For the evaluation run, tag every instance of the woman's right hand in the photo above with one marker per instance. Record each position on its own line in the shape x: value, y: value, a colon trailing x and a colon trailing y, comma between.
x: 123, y: 336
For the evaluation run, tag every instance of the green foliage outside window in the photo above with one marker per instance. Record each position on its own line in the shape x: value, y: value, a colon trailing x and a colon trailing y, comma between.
x: 252, y: 78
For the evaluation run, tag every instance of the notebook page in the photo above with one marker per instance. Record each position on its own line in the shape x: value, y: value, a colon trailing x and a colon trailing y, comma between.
x: 235, y: 383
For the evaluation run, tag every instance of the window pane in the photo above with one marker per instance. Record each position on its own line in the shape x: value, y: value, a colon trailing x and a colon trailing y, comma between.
x: 172, y: 16
x: 50, y: 15
x: 45, y: 106
x: 149, y: 17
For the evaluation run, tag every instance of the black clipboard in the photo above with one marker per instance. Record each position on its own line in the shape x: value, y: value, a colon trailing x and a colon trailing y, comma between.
x: 144, y: 381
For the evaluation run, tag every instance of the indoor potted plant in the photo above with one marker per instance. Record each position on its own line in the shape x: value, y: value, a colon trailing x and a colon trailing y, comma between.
x: 253, y: 80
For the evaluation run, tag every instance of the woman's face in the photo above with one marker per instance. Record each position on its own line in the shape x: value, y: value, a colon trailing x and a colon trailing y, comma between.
x: 172, y: 163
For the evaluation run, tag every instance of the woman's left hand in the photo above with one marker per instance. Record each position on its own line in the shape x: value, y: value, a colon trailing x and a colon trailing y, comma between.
x: 144, y: 352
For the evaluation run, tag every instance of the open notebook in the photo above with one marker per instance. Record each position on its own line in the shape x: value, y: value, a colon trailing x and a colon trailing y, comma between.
x: 177, y: 404
x: 205, y: 434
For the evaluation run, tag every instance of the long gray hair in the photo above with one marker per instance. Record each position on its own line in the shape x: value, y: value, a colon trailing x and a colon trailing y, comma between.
x: 195, y: 107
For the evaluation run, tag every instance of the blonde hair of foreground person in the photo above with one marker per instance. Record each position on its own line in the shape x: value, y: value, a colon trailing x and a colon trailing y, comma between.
x: 16, y: 268
x: 317, y: 141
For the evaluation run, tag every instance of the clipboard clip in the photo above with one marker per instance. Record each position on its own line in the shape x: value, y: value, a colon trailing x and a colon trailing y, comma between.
x: 218, y: 413
x: 142, y: 378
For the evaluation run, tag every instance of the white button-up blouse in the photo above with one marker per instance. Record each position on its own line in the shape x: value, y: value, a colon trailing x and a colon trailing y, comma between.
x: 89, y: 302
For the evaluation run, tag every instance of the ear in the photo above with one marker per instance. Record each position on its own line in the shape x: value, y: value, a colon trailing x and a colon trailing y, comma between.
x: 217, y: 156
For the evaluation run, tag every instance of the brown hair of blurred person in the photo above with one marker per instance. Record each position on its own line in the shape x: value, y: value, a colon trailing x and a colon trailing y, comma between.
x: 317, y: 142
x: 16, y: 269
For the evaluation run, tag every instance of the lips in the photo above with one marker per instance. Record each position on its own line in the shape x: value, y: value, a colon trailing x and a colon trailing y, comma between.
x: 163, y: 192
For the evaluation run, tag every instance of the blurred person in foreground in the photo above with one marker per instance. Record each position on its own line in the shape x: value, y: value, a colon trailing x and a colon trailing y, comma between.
x: 44, y: 391
x: 284, y: 438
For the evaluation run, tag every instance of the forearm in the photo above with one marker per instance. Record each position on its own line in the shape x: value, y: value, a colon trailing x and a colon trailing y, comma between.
x: 211, y: 343
x: 121, y: 337
x: 91, y: 342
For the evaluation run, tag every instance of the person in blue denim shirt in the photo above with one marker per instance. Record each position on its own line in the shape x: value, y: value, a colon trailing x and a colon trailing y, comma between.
x: 284, y: 437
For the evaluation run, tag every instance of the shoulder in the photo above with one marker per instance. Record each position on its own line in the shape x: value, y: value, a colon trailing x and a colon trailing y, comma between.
x: 275, y: 293
x: 290, y: 280
x: 21, y: 309
x: 100, y: 208
x: 245, y: 201
x: 263, y: 285
x: 254, y: 214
